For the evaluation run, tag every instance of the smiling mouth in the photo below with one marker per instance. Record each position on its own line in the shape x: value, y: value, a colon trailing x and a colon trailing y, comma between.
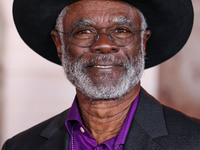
x: 103, y: 67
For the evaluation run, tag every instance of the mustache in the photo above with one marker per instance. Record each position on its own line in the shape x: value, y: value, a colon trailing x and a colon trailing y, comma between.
x: 106, y: 58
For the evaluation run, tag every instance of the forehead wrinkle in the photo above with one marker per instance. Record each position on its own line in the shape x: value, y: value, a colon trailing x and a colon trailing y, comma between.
x: 123, y: 21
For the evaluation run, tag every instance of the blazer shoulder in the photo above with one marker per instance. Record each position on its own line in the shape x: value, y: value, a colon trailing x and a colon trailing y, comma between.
x: 177, y: 119
x: 183, y: 131
x: 33, y: 137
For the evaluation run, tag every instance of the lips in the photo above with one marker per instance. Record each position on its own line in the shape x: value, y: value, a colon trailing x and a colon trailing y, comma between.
x: 103, y: 67
x: 104, y: 64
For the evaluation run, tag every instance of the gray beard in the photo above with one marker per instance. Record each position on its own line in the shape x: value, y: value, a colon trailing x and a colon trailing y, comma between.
x: 108, y: 89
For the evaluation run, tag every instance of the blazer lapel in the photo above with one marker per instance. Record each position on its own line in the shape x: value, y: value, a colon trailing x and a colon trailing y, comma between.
x: 147, y: 125
x: 55, y: 134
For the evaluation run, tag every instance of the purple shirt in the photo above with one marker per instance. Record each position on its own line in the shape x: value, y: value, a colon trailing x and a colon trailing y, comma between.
x: 82, y: 139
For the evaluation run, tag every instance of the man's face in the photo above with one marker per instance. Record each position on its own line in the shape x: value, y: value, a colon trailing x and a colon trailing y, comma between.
x: 104, y: 68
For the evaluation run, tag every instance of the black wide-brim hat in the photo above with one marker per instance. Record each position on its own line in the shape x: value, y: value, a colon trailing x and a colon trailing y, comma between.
x: 170, y: 21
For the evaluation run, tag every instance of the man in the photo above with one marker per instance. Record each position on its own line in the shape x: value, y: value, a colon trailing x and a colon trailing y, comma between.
x: 102, y: 45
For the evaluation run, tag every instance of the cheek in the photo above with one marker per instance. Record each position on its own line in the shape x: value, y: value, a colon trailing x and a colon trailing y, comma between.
x: 75, y: 52
x: 131, y: 50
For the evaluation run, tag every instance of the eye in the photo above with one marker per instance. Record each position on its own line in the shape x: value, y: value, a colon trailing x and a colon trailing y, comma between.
x: 122, y: 30
x: 122, y: 33
x: 84, y: 33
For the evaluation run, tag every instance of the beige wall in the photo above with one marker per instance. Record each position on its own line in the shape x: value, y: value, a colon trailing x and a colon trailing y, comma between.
x: 1, y: 68
x: 179, y: 85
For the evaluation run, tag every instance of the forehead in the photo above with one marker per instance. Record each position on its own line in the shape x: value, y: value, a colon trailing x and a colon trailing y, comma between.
x: 102, y: 12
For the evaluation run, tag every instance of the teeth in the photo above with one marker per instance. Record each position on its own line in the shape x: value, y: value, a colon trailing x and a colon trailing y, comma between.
x: 103, y: 66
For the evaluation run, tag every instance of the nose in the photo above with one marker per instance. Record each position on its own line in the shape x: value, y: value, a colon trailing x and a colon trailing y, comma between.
x: 104, y: 45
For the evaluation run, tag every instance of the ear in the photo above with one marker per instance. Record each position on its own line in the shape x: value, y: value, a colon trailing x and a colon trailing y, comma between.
x: 56, y: 38
x: 146, y: 36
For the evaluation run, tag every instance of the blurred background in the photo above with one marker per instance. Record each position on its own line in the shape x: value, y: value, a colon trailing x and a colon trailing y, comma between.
x: 33, y: 89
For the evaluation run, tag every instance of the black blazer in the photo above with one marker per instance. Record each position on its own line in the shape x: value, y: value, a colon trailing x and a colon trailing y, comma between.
x: 154, y: 127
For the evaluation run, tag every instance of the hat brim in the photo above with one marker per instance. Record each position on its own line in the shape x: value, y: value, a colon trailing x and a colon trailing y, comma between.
x: 170, y: 21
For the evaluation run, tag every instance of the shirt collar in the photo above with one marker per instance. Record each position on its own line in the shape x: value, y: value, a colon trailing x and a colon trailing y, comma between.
x: 74, y: 117
x: 121, y: 138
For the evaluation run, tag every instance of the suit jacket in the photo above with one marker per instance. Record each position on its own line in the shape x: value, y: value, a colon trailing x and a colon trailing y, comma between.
x: 154, y: 127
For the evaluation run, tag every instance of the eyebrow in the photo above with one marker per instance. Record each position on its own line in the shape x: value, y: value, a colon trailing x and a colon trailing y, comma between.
x: 82, y: 23
x: 116, y: 20
x: 123, y: 21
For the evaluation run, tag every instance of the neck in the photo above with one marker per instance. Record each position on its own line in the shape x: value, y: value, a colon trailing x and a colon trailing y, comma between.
x: 104, y: 118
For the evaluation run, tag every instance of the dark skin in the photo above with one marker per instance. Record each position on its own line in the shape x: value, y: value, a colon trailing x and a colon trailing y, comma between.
x: 102, y: 118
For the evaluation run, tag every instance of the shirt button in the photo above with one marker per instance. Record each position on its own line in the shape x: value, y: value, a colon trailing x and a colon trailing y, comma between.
x: 82, y: 130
